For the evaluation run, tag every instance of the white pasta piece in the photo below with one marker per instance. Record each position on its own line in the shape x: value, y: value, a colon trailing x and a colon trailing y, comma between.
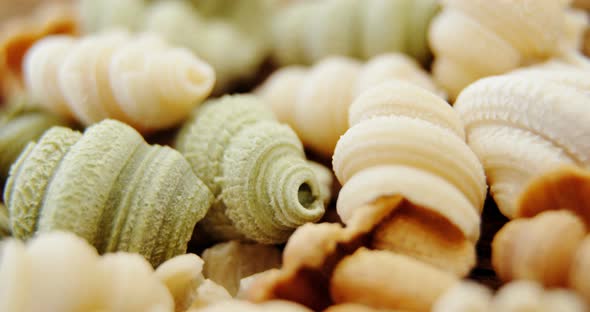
x: 41, y: 65
x: 139, y: 80
x: 518, y: 296
x: 472, y: 39
x: 406, y: 141
x: 315, y: 101
x: 523, y: 124
x: 231, y: 51
x: 59, y: 271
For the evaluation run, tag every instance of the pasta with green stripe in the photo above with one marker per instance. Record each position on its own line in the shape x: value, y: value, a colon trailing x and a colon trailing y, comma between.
x: 109, y: 187
x: 256, y: 168
x: 20, y: 125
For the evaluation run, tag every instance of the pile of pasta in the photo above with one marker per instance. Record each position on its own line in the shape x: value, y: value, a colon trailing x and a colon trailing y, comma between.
x: 295, y: 155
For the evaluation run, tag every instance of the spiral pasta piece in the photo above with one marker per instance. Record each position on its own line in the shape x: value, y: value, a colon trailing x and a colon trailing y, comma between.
x: 59, y: 271
x: 234, y: 45
x: 315, y: 101
x: 523, y: 248
x: 307, y: 32
x: 512, y: 297
x: 406, y: 141
x: 18, y: 126
x: 523, y: 124
x: 501, y: 36
x: 109, y: 187
x: 255, y: 167
x: 139, y: 80
x: 233, y: 54
x: 557, y: 199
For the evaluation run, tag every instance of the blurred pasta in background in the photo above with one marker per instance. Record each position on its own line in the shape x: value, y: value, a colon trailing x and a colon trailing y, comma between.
x: 294, y: 155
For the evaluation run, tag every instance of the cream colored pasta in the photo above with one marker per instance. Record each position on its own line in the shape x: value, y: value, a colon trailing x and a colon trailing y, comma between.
x: 522, y: 124
x: 512, y: 297
x: 309, y: 31
x: 315, y: 101
x: 479, y: 38
x: 406, y: 141
x: 140, y: 80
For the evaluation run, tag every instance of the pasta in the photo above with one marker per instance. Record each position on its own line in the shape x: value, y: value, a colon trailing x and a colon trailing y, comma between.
x: 406, y: 141
x: 315, y: 102
x: 307, y: 32
x: 109, y: 187
x: 500, y: 37
x: 139, y: 80
x: 255, y: 167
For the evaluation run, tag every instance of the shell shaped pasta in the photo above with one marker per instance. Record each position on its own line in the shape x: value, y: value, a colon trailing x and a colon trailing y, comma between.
x: 406, y: 141
x: 322, y: 103
x: 256, y: 168
x: 59, y: 271
x: 66, y: 274
x: 512, y: 297
x: 41, y: 65
x: 139, y: 80
x: 109, y: 187
x: 501, y: 36
x: 231, y: 50
x: 523, y: 124
x: 522, y: 249
x: 83, y: 78
x: 315, y: 101
x: 413, y: 143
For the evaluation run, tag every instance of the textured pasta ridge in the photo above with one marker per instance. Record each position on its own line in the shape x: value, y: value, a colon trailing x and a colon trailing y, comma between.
x: 109, y: 187
x: 140, y: 80
x: 315, y: 101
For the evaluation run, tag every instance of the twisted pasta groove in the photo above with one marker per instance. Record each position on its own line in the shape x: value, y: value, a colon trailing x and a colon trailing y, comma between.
x: 501, y: 36
x: 308, y: 32
x: 406, y: 141
x: 109, y: 187
x: 59, y: 271
x: 235, y: 45
x: 315, y: 101
x: 522, y: 124
x: 255, y: 167
x: 139, y: 80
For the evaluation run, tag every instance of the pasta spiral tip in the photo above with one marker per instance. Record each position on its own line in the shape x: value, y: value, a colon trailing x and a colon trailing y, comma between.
x: 402, y: 138
x: 255, y: 166
x: 109, y: 187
